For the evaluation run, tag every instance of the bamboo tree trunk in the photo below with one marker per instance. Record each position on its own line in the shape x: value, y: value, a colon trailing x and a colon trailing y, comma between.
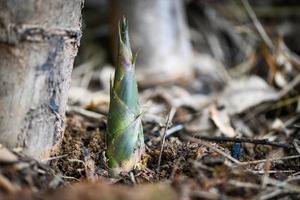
x: 159, y: 34
x: 38, y: 43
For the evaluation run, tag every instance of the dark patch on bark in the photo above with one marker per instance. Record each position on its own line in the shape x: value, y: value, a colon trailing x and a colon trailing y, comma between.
x: 53, y: 72
x: 53, y: 105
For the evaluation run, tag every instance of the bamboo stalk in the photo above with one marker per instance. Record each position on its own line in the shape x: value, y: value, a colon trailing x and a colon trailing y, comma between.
x: 125, y: 140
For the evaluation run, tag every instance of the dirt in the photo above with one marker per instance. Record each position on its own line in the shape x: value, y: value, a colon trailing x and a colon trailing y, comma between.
x: 190, y: 168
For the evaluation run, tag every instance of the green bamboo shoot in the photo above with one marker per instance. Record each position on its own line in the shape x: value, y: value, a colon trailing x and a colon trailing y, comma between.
x: 125, y: 140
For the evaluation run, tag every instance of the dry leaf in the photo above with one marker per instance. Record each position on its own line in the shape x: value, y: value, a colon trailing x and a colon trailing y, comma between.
x: 222, y: 121
x: 242, y: 94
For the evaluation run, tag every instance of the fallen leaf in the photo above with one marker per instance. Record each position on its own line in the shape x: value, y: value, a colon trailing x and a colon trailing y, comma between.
x: 242, y: 94
x: 222, y: 121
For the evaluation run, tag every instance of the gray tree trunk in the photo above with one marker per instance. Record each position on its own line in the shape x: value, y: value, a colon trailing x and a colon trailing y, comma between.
x: 38, y: 43
x: 159, y: 34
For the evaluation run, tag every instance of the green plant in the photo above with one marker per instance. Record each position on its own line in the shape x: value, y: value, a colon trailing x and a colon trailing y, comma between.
x: 125, y: 140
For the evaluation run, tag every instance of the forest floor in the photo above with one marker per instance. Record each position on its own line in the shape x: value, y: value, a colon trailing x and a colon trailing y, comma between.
x: 229, y: 133
x: 197, y: 147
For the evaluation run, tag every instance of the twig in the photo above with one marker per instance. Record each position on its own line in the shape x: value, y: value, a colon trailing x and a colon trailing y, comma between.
x: 296, y: 174
x: 245, y: 140
x: 271, y: 160
x: 169, y: 119
x: 244, y: 184
x: 54, y: 158
x: 174, y: 129
x: 76, y: 160
x: 211, y: 147
x: 71, y: 178
x: 271, y: 194
x: 89, y: 166
x: 270, y: 171
x: 281, y: 187
x: 283, y: 103
x: 296, y: 145
x: 284, y: 184
x: 293, y: 178
x: 257, y: 24
x: 132, y: 178
x: 290, y: 86
x: 266, y: 172
x: 83, y: 112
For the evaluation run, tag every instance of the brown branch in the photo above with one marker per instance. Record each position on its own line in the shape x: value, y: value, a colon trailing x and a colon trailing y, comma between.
x: 207, y: 144
x: 169, y: 119
x: 245, y: 140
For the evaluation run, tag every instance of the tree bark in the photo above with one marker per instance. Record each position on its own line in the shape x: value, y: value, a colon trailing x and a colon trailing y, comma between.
x: 38, y: 43
x: 159, y: 34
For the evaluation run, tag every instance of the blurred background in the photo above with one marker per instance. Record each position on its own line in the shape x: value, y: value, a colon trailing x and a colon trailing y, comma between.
x: 195, y: 45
